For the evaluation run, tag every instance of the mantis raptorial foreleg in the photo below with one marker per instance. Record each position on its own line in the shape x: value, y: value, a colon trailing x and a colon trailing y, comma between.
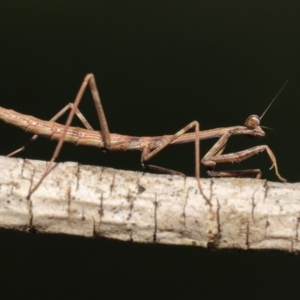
x: 215, y: 156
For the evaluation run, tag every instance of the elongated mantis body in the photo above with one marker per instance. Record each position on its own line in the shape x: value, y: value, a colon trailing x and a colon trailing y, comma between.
x: 149, y: 146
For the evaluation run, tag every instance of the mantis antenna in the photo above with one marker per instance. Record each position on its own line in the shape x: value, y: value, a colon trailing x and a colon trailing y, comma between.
x: 274, y: 99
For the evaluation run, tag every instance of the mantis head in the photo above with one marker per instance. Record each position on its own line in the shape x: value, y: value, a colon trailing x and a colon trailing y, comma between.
x: 253, y: 121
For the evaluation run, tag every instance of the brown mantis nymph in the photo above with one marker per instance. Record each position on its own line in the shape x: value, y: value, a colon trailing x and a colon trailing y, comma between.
x: 149, y: 146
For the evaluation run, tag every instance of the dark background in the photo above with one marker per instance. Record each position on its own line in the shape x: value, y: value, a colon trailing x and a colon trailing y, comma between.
x: 158, y: 65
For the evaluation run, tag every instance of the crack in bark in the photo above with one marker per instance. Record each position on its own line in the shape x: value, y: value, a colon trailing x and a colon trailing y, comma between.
x: 29, y: 203
x: 140, y: 188
x: 69, y: 202
x: 112, y: 184
x: 215, y: 239
x: 184, y: 206
x: 266, y: 226
x: 219, y: 235
x: 155, y: 219
x: 247, y: 235
x: 130, y: 199
x: 101, y: 211
x: 266, y: 186
x: 297, y: 228
x: 77, y: 174
x: 253, y: 205
x: 23, y: 167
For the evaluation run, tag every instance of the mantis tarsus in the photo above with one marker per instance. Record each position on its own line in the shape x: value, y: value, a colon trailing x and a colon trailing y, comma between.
x: 149, y: 146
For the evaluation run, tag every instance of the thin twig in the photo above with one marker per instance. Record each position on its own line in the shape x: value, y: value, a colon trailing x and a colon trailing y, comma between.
x: 141, y: 207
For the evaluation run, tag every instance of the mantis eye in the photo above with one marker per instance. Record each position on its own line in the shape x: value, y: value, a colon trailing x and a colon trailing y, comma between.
x: 252, y: 122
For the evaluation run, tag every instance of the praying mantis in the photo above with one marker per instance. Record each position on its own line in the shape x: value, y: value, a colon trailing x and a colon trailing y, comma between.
x: 149, y: 146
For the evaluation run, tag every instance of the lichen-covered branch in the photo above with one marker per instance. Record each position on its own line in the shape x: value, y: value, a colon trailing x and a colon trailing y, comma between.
x: 141, y: 207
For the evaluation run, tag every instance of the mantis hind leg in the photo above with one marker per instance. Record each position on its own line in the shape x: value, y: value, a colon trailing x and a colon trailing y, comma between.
x: 90, y: 81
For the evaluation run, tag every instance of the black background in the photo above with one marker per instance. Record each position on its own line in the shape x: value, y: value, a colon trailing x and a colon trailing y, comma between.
x: 158, y: 65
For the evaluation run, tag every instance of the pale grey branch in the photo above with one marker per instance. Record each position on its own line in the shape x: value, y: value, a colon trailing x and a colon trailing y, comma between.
x: 141, y: 207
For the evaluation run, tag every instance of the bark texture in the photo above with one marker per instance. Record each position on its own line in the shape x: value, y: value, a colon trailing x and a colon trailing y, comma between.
x: 141, y: 207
